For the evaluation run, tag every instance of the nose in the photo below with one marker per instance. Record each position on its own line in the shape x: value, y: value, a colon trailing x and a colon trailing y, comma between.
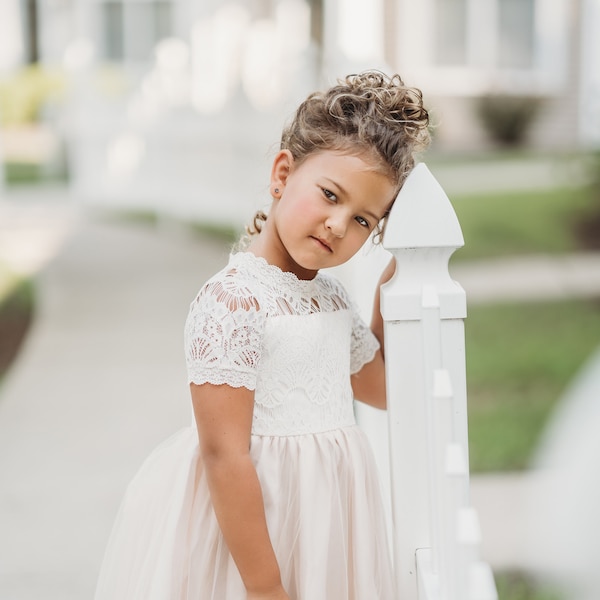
x: 337, y: 223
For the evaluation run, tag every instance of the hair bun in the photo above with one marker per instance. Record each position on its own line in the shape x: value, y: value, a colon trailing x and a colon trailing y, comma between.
x: 365, y: 112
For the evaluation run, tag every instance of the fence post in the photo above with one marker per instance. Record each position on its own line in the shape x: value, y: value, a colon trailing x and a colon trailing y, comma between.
x: 423, y: 311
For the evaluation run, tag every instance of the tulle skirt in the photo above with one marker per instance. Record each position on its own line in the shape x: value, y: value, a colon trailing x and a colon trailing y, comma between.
x: 323, y: 509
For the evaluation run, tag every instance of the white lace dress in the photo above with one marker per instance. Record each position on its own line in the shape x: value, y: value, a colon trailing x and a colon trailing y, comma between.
x: 295, y: 343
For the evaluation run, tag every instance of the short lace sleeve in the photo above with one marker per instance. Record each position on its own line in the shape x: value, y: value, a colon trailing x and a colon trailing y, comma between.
x: 223, y: 334
x: 364, y: 343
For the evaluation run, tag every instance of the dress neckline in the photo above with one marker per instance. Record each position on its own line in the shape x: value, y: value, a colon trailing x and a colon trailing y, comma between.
x: 273, y: 271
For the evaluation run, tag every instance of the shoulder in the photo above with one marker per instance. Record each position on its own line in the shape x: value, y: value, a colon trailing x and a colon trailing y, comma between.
x: 227, y: 305
x: 233, y: 288
x: 224, y: 330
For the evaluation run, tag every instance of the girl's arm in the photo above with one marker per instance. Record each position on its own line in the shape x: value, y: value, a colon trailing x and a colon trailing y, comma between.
x: 224, y: 419
x: 377, y: 319
x: 368, y: 384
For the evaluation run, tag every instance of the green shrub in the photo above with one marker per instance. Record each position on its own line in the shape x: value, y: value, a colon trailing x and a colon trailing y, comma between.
x: 16, y: 313
x: 25, y: 94
x: 587, y: 225
x: 507, y: 119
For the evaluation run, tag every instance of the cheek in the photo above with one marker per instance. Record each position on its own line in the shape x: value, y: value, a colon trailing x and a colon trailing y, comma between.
x: 313, y: 211
x: 355, y: 240
x: 304, y: 207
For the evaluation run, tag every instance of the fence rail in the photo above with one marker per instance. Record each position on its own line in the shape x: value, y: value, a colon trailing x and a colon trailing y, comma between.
x: 436, y: 534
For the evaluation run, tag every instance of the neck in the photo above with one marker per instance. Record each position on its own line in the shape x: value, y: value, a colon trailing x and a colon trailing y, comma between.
x: 269, y: 246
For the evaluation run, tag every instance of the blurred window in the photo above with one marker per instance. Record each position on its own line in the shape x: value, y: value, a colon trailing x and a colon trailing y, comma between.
x: 112, y: 26
x: 450, y: 32
x: 316, y: 21
x: 516, y: 31
x: 131, y: 30
x: 499, y: 33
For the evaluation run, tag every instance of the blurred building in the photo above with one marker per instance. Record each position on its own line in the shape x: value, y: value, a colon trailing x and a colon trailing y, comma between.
x: 461, y: 51
x: 174, y: 105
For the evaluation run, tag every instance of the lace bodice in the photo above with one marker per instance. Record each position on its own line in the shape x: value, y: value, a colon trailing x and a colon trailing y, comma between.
x: 294, y: 342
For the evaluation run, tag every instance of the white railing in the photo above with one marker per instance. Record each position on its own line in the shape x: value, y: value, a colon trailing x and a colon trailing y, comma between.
x: 435, y: 530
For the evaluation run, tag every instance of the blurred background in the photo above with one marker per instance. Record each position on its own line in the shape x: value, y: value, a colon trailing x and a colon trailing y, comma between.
x: 136, y: 139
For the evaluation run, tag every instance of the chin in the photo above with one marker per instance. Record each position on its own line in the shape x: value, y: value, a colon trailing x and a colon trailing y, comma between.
x: 311, y: 264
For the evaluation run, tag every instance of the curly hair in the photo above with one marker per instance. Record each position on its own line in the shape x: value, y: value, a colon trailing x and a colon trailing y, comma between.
x: 367, y: 113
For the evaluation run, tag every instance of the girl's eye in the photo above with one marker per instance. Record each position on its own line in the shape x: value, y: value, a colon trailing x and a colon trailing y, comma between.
x: 329, y: 195
x: 362, y: 222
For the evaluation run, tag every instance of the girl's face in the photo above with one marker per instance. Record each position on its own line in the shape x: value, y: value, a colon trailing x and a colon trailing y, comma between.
x: 325, y: 210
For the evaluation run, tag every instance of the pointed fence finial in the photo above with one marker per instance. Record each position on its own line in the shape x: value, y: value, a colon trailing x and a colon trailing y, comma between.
x: 422, y: 215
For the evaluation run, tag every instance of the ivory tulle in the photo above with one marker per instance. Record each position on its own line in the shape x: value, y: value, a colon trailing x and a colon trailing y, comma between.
x: 323, y: 509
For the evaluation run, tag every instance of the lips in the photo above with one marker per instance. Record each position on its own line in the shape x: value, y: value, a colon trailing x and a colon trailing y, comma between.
x: 323, y: 243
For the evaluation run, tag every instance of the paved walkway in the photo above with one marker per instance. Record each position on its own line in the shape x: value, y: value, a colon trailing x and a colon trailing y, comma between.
x: 101, y: 381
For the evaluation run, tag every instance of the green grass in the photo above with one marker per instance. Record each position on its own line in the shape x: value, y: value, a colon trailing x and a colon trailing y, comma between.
x: 226, y: 233
x: 201, y: 229
x: 520, y: 359
x: 506, y: 224
x: 522, y: 356
x: 32, y: 173
x: 515, y: 585
x: 15, y: 173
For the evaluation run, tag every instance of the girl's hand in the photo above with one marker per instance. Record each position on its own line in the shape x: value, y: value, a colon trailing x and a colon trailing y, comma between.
x: 275, y: 594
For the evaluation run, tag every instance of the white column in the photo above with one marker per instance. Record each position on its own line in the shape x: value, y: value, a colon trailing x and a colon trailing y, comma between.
x: 352, y: 37
x: 11, y: 28
x: 589, y: 122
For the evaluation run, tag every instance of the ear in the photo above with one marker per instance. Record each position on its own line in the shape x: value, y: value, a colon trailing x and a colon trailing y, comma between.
x: 283, y: 164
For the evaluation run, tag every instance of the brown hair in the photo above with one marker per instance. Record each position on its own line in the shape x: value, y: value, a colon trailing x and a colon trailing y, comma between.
x: 368, y: 113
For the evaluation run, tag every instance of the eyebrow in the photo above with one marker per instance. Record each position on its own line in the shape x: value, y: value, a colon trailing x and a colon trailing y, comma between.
x: 345, y: 193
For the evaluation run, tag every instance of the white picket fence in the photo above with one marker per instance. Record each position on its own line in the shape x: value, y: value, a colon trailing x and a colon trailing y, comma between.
x: 436, y: 534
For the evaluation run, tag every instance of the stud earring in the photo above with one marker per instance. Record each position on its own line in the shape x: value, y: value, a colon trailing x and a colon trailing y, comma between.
x: 277, y: 190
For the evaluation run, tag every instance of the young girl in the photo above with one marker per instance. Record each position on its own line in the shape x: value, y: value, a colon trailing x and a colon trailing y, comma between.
x: 275, y: 496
